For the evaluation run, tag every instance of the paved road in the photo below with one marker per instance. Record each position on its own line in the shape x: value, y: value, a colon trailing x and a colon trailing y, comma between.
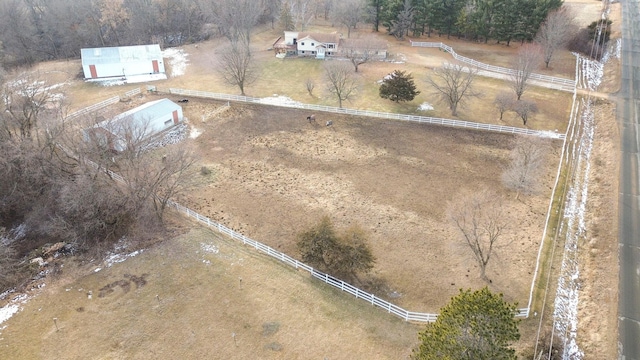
x: 629, y: 235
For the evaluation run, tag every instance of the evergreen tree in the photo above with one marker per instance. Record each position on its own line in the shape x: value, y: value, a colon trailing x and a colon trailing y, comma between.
x: 399, y: 86
x: 475, y: 325
x: 375, y: 11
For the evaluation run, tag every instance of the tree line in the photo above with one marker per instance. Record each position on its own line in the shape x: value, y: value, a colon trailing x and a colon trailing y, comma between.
x: 36, y: 30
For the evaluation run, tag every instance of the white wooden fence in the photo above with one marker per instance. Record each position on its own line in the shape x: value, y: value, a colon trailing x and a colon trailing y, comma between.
x: 566, y: 84
x: 413, y: 118
x: 93, y: 108
x: 335, y: 282
x: 102, y: 104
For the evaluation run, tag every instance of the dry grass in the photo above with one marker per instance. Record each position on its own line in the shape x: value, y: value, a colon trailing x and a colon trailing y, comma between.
x: 272, y: 176
x: 202, y: 299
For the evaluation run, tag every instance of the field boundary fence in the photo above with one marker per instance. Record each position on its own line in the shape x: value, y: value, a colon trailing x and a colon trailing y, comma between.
x: 567, y: 84
x: 326, y: 278
x: 286, y: 259
x: 376, y: 114
x: 102, y: 104
x: 93, y: 108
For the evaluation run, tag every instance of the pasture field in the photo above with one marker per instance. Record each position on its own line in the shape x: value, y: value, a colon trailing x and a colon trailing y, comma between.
x: 272, y: 176
x: 185, y: 298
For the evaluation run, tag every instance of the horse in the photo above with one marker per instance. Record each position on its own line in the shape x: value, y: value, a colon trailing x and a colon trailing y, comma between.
x: 311, y: 119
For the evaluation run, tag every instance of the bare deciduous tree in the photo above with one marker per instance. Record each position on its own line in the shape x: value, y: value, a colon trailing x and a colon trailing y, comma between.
x: 302, y: 11
x: 310, y: 86
x: 527, y: 158
x: 236, y: 66
x: 482, y: 224
x: 557, y: 30
x: 503, y: 102
x: 524, y: 109
x: 361, y: 51
x: 342, y: 80
x: 349, y: 13
x: 236, y: 18
x: 527, y: 60
x: 24, y: 99
x: 453, y: 83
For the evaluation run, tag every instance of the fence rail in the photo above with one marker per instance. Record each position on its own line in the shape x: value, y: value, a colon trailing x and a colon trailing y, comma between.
x: 132, y: 92
x: 94, y: 107
x: 326, y: 278
x: 567, y: 84
x: 382, y: 115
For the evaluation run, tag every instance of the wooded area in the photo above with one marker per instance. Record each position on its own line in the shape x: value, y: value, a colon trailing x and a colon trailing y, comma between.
x: 36, y: 30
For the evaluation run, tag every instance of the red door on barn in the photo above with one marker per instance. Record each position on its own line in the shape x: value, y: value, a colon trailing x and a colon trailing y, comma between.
x: 94, y: 73
x: 175, y: 117
x: 156, y: 68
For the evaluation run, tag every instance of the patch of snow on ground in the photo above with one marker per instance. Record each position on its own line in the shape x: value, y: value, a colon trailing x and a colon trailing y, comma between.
x: 592, y: 72
x: 7, y: 311
x: 567, y: 296
x: 618, y: 52
x: 118, y: 255
x: 177, y: 60
x: 425, y: 107
x: 209, y: 248
x: 194, y: 133
x: 280, y: 101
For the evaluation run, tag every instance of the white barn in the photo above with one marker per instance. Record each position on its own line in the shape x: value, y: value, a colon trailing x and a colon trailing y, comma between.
x: 138, y: 124
x: 122, y: 61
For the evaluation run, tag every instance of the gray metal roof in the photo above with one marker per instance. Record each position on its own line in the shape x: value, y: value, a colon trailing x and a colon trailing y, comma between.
x: 138, y: 118
x: 149, y: 110
x: 121, y: 54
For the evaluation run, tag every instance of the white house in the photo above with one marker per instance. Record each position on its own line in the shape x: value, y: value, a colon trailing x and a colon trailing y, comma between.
x: 135, y: 125
x: 310, y: 44
x: 322, y: 45
x: 122, y: 61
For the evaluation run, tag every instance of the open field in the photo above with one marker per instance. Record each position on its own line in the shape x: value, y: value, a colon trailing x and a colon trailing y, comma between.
x: 184, y: 298
x: 273, y: 175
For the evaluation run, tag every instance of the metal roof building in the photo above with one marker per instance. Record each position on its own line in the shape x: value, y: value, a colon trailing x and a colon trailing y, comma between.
x: 136, y: 125
x: 122, y: 61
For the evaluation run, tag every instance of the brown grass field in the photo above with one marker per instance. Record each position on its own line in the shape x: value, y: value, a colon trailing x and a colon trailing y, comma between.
x: 273, y: 175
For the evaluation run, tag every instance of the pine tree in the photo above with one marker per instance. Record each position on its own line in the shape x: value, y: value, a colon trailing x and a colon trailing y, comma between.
x: 399, y: 86
x: 474, y: 325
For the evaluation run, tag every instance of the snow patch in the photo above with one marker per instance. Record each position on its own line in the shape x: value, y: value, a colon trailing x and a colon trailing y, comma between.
x: 118, y: 255
x: 194, y: 133
x: 177, y: 60
x: 7, y: 311
x: 425, y: 107
x: 280, y: 101
x: 209, y: 248
x: 567, y: 296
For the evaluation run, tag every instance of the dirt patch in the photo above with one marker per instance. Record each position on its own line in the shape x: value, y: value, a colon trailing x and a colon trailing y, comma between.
x: 274, y: 174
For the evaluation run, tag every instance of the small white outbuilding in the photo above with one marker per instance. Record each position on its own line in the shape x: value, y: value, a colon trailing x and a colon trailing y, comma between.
x: 122, y: 61
x: 135, y: 125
